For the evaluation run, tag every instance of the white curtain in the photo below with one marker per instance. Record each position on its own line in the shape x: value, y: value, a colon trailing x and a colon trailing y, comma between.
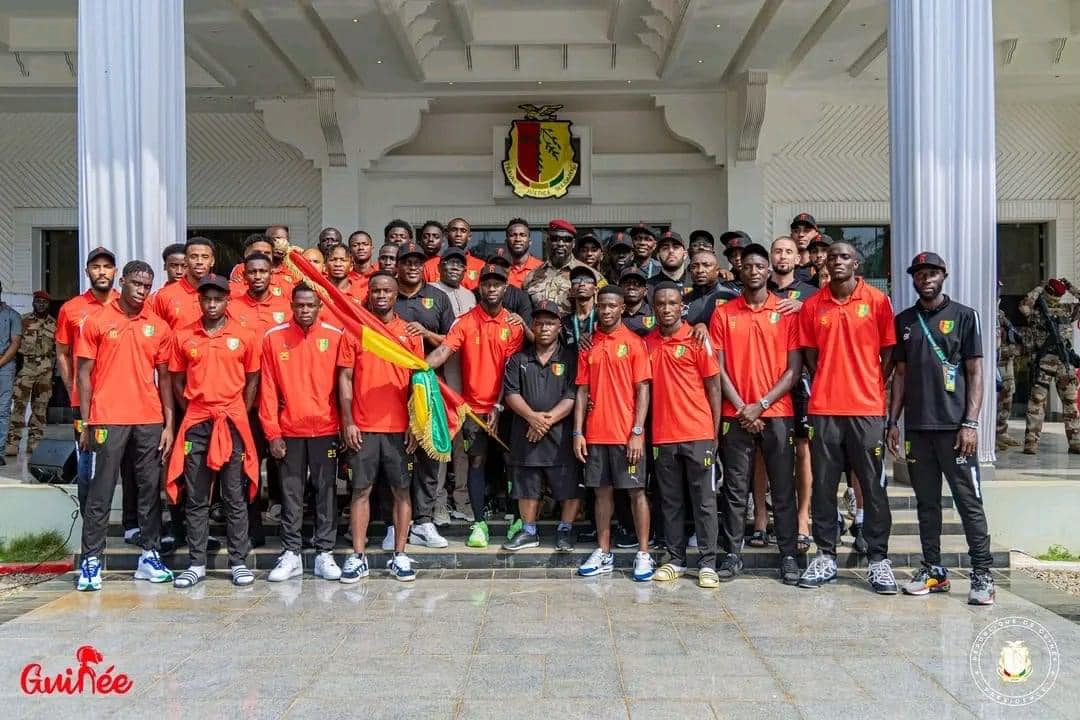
x: 131, y: 137
x: 942, y: 171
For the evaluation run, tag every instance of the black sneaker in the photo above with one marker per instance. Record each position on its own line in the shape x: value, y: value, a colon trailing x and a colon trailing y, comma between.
x: 217, y: 513
x: 564, y: 540
x: 212, y: 544
x: 625, y: 539
x: 522, y: 540
x: 588, y: 535
x: 860, y: 543
x: 731, y: 566
x: 982, y: 588
x: 789, y: 570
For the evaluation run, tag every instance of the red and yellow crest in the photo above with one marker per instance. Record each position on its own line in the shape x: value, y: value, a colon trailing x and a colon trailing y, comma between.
x: 540, y: 161
x: 557, y: 369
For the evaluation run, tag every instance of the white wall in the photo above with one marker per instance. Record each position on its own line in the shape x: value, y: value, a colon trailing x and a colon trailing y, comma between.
x: 237, y: 176
x: 839, y: 172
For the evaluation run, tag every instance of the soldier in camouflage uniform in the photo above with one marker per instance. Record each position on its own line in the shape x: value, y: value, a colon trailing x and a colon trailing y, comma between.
x: 1009, y: 348
x: 34, y: 383
x: 551, y: 280
x: 1063, y: 310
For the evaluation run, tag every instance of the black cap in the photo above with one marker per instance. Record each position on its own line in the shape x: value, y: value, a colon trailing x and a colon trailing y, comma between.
x: 409, y: 249
x: 926, y: 259
x: 727, y: 237
x: 804, y: 219
x: 500, y: 255
x: 642, y: 229
x: 703, y: 235
x: 737, y: 243
x: 822, y: 240
x: 493, y: 271
x: 671, y: 236
x: 586, y: 236
x: 579, y: 270
x: 634, y: 272
x: 755, y: 249
x: 212, y: 280
x: 620, y: 239
x: 100, y: 252
x: 550, y: 307
x: 454, y: 251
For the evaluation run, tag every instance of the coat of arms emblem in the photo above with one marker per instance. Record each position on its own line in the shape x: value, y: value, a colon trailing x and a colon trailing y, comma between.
x: 540, y: 161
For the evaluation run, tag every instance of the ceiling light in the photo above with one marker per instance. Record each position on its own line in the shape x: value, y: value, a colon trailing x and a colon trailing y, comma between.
x: 539, y: 82
x: 700, y: 61
x: 717, y: 26
x: 629, y: 81
x: 356, y: 19
x: 378, y: 62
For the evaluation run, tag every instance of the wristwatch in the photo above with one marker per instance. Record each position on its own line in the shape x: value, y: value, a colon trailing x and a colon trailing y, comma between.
x: 764, y: 403
x: 637, y: 430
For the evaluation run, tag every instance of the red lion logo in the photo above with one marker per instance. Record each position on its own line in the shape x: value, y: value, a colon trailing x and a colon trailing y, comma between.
x: 74, y: 681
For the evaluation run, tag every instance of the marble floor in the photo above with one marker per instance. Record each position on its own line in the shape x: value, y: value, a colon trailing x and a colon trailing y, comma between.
x: 545, y: 648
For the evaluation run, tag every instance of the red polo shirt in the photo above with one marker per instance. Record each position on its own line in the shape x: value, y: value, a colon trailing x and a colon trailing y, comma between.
x: 259, y: 315
x: 612, y: 368
x: 380, y: 400
x: 755, y: 344
x: 518, y: 273
x: 470, y: 280
x: 126, y: 351
x: 177, y: 304
x: 216, y: 365
x: 297, y: 381
x: 484, y: 343
x: 680, y: 407
x: 848, y: 336
x: 70, y: 320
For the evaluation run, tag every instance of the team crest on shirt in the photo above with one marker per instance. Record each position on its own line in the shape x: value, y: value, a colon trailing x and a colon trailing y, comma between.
x: 101, y: 435
x: 472, y: 274
x: 622, y: 350
x: 863, y: 310
x: 279, y: 317
x: 148, y: 330
x: 946, y: 326
x: 680, y: 350
x: 193, y: 352
x: 275, y: 290
x: 720, y: 301
x: 774, y: 317
x: 283, y: 355
x: 794, y: 294
x: 113, y: 333
x: 323, y: 344
x: 648, y: 321
x: 557, y: 369
x: 232, y: 343
x: 428, y: 303
x: 824, y: 320
x: 504, y: 334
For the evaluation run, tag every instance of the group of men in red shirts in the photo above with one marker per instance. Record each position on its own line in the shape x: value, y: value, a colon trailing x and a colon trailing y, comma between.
x: 211, y: 375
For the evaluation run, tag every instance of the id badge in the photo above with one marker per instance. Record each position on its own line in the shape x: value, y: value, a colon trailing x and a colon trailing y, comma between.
x: 948, y: 370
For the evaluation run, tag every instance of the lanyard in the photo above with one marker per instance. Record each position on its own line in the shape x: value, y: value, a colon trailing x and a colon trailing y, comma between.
x: 930, y: 339
x: 577, y: 327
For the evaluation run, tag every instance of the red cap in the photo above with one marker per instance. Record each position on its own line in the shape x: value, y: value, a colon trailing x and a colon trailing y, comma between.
x: 560, y: 225
x: 41, y: 294
x: 1055, y: 287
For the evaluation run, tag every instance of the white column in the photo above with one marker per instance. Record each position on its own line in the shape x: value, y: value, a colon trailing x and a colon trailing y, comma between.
x: 131, y: 128
x: 941, y: 149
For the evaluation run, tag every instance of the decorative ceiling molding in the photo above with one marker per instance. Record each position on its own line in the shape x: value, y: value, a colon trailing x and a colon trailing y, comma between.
x: 698, y: 119
x: 665, y: 30
x: 869, y: 55
x: 206, y: 60
x: 752, y: 88
x: 813, y: 34
x: 414, y: 32
x: 1008, y: 47
x: 259, y: 30
x: 750, y: 39
x: 324, y: 104
x: 330, y: 44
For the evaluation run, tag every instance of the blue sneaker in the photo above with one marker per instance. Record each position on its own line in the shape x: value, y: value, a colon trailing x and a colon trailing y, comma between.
x: 598, y: 563
x: 151, y: 568
x: 401, y: 568
x: 355, y: 569
x: 89, y: 574
x: 644, y: 567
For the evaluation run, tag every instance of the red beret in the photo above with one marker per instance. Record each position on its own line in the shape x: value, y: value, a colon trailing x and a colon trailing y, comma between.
x: 558, y: 224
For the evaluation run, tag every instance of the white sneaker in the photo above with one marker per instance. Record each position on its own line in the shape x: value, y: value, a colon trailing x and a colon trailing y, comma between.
x: 151, y: 568
x: 326, y: 568
x: 465, y: 513
x: 388, y: 541
x: 288, y: 566
x: 692, y: 542
x: 644, y: 567
x: 426, y: 535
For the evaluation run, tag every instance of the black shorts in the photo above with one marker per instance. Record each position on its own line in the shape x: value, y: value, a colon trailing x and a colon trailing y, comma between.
x: 800, y: 399
x: 474, y: 439
x: 527, y: 482
x: 381, y: 455
x: 606, y: 466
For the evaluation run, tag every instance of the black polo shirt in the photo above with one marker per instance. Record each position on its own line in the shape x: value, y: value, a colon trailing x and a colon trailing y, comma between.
x: 641, y: 322
x: 701, y: 302
x: 684, y: 281
x: 575, y: 328
x: 516, y: 301
x: 542, y: 387
x: 430, y: 307
x: 804, y: 272
x: 957, y: 331
x: 799, y: 290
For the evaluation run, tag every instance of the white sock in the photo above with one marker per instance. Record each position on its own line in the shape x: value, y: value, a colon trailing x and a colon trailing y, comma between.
x: 859, y: 516
x: 199, y: 570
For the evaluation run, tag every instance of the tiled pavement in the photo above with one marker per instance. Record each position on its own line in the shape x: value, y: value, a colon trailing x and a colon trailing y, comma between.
x: 517, y: 647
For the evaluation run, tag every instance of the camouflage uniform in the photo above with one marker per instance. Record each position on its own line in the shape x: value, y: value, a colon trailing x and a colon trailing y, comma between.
x: 1007, y: 353
x: 34, y: 383
x: 548, y: 282
x: 1064, y: 312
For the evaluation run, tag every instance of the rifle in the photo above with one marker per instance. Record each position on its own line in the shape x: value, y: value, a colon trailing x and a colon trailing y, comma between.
x: 1055, y: 344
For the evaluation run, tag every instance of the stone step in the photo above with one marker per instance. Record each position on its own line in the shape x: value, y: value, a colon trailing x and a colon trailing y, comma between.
x: 904, y: 551
x: 905, y: 522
